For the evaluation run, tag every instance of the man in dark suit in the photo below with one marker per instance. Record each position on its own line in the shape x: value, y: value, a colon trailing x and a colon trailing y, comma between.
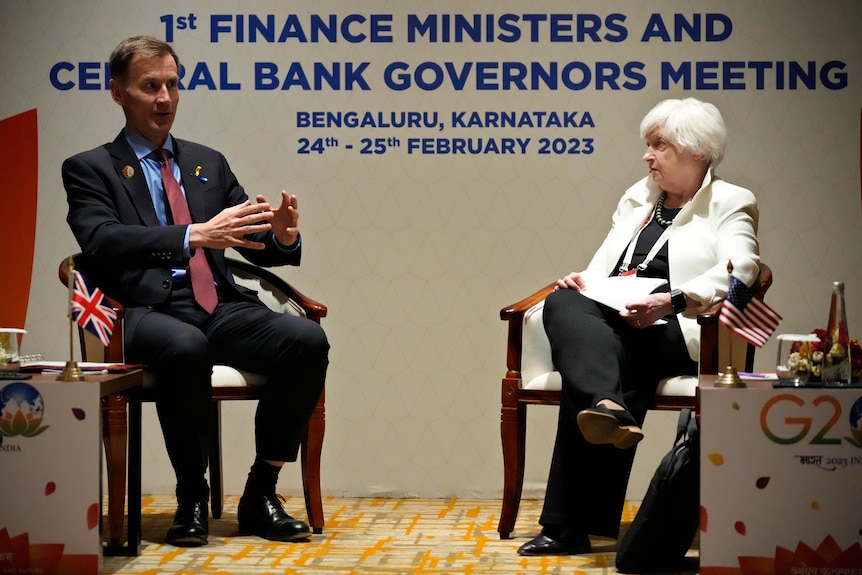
x: 140, y: 248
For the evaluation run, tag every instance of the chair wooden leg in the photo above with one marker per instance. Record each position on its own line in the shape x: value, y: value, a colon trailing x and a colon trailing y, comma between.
x: 513, y: 433
x: 312, y: 447
x: 215, y: 462
x: 115, y: 438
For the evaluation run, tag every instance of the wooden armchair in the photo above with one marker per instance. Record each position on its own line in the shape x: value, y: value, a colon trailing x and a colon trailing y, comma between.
x: 228, y: 384
x: 532, y: 380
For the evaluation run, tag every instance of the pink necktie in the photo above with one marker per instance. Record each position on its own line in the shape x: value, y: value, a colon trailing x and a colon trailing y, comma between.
x: 203, y: 284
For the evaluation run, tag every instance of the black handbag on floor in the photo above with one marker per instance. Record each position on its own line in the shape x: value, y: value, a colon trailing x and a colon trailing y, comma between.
x: 667, y: 521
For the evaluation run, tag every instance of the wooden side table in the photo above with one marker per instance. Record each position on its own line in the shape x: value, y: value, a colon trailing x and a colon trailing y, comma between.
x: 780, y: 476
x: 120, y: 396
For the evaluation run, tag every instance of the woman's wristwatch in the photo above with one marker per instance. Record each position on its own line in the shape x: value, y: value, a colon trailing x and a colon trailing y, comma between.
x: 677, y: 300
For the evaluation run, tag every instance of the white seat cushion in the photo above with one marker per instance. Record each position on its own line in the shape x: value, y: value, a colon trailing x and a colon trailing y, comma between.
x: 226, y: 376
x: 678, y: 385
x: 535, y: 350
x: 223, y: 376
x: 548, y: 381
x: 537, y: 368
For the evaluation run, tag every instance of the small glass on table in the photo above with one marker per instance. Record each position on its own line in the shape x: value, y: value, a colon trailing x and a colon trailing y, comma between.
x: 10, y: 361
x: 796, y: 362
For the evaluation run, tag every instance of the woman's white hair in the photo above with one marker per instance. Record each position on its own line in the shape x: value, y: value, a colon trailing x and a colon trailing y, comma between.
x: 689, y: 125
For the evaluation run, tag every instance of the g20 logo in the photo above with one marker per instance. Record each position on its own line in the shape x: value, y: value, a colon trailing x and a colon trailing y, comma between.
x: 827, y: 434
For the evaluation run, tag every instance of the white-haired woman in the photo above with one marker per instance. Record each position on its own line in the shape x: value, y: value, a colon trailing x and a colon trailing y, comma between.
x: 680, y: 223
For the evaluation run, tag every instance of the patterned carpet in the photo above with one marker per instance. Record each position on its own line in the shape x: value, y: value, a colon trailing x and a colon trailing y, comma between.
x: 379, y: 536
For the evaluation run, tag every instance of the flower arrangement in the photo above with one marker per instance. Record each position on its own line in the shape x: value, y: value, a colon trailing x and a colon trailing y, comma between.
x: 805, y: 360
x: 807, y: 357
x: 856, y: 360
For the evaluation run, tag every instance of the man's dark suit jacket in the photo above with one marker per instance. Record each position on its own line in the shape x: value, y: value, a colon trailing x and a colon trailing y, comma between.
x: 125, y: 250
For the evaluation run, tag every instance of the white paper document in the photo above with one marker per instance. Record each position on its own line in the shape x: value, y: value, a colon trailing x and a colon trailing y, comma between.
x: 617, y: 291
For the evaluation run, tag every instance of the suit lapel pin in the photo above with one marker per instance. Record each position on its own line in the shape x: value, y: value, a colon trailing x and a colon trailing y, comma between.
x: 128, y: 172
x: 198, y: 174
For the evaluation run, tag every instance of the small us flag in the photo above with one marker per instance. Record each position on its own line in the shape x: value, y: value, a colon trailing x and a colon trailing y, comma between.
x: 747, y: 315
x: 91, y: 309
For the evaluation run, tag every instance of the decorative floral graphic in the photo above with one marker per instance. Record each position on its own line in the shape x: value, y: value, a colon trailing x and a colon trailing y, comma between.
x: 93, y: 516
x: 19, y: 555
x: 21, y: 410
x: 827, y: 558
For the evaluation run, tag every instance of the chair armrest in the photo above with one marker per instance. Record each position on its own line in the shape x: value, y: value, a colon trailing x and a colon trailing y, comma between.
x: 764, y: 281
x: 708, y: 322
x: 514, y: 314
x: 313, y: 309
x: 709, y: 316
x: 517, y: 310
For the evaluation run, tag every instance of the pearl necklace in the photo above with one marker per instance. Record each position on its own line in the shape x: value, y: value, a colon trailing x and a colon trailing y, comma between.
x: 659, y: 206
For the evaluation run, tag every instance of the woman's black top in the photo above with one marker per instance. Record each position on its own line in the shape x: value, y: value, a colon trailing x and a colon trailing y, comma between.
x: 658, y: 267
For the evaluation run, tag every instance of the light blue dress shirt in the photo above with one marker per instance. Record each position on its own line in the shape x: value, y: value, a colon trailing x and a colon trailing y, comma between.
x: 153, y: 175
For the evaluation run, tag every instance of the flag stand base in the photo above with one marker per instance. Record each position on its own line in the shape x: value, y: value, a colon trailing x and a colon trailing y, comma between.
x: 730, y: 378
x: 71, y: 372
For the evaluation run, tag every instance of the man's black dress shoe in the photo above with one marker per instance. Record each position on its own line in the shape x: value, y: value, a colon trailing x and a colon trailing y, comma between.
x: 543, y: 544
x: 263, y: 515
x: 190, y: 526
x: 600, y: 424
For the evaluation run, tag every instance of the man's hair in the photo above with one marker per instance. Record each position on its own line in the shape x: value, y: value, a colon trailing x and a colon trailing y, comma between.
x: 146, y: 46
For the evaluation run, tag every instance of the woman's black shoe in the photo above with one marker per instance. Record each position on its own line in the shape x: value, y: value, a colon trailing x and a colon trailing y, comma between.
x: 600, y: 425
x: 544, y: 544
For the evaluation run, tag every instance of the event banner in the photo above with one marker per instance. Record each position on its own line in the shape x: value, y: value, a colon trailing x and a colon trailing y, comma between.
x: 780, y: 481
x: 373, y: 55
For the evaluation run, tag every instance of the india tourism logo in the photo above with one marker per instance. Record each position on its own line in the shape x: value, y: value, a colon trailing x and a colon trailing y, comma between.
x: 21, y: 410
